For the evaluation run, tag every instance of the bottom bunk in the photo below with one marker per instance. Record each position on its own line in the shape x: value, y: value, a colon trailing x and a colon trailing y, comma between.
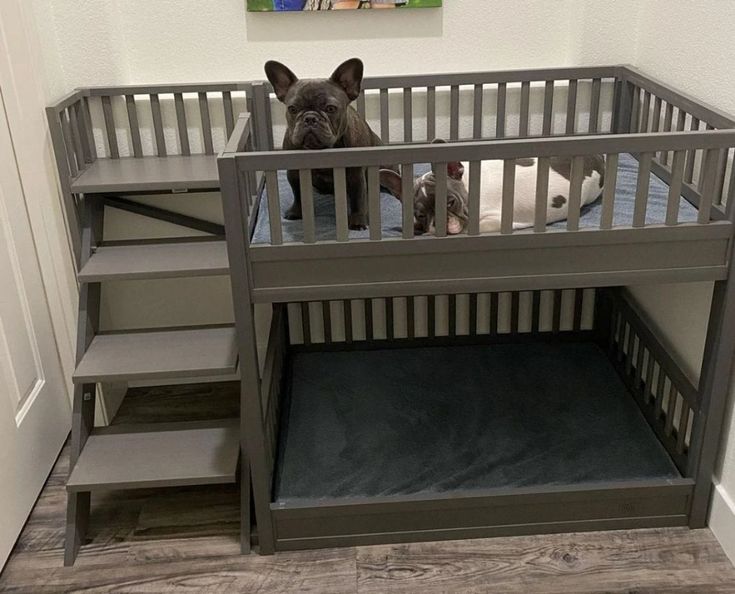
x: 575, y: 418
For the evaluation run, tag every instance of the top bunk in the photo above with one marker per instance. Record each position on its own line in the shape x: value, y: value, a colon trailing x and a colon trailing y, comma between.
x: 662, y: 215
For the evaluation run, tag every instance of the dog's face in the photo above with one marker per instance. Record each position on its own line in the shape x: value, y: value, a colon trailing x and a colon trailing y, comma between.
x: 316, y: 110
x: 424, y: 198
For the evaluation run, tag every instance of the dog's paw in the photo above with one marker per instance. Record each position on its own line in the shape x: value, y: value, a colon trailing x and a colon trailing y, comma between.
x: 357, y: 222
x: 293, y: 213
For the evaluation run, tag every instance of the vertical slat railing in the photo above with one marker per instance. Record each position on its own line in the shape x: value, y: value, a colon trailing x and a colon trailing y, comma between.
x: 407, y: 115
x: 306, y: 322
x: 556, y: 316
x: 134, y: 125
x: 369, y: 322
x: 410, y: 317
x: 390, y: 324
x: 373, y: 189
x: 656, y: 119
x: 110, y: 127
x: 646, y: 111
x: 229, y: 112
x: 327, y: 321
x: 608, y: 192
x: 515, y: 309
x: 181, y: 122
x: 542, y: 195
x: 474, y: 193
x: 79, y: 116
x: 494, y: 307
x: 635, y: 110
x: 307, y: 205
x: 274, y: 207
x: 477, y: 111
x: 454, y: 112
x: 452, y: 314
x: 440, y: 204
x: 430, y: 113
x: 536, y: 312
x: 69, y: 143
x: 509, y: 180
x: 87, y: 117
x: 361, y: 108
x: 431, y: 316
x: 473, y: 314
x: 691, y: 155
x: 642, y: 188
x: 594, y: 122
x: 525, y: 108
x: 571, y: 121
x: 675, y: 184
x: 340, y: 203
x: 347, y: 317
x: 548, y: 108
x: 206, y: 124
x: 576, y: 178
x: 158, y: 125
x: 76, y: 136
x: 668, y: 121
x: 500, y: 115
x: 384, y: 116
x: 709, y: 170
x: 407, y: 201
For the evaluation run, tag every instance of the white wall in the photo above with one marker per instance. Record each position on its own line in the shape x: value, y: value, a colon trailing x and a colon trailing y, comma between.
x: 690, y: 45
x: 93, y: 42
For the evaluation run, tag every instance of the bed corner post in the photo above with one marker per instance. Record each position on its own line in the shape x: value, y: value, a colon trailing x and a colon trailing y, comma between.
x: 714, y: 389
x: 623, y: 108
x: 603, y: 312
x: 255, y: 472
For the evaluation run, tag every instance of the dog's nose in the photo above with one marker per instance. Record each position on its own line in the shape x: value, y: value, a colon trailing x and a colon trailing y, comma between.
x: 310, y: 120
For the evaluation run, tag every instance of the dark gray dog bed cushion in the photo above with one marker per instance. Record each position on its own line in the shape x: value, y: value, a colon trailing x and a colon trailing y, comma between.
x: 293, y: 231
x: 436, y: 419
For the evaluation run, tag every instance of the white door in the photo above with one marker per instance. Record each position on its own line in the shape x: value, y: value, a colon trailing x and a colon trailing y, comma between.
x: 35, y: 414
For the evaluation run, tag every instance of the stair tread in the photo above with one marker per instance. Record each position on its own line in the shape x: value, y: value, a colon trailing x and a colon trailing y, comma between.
x: 159, y: 354
x: 140, y: 174
x: 175, y: 455
x: 156, y: 260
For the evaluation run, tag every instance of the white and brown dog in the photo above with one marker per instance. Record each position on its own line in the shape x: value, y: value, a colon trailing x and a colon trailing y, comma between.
x: 491, y: 193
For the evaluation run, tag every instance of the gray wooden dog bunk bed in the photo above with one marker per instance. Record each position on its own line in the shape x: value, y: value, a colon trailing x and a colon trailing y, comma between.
x: 432, y: 387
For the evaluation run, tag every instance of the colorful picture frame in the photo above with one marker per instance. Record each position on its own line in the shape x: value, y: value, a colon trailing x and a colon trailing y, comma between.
x: 323, y: 5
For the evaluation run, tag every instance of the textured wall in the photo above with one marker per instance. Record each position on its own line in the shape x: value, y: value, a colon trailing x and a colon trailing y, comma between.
x: 119, y: 41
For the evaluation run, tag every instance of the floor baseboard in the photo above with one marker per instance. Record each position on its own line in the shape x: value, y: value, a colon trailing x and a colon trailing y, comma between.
x: 722, y: 520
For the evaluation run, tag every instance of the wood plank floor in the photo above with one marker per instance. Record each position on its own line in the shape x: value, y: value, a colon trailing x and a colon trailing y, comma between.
x: 185, y: 540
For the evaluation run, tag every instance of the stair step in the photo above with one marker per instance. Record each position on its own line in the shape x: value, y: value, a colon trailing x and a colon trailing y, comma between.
x: 160, y: 354
x: 168, y: 455
x: 141, y: 174
x: 156, y: 260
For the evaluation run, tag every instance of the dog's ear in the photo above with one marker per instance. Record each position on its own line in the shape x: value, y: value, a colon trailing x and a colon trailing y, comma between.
x: 391, y: 181
x: 455, y: 169
x: 280, y: 77
x: 349, y: 76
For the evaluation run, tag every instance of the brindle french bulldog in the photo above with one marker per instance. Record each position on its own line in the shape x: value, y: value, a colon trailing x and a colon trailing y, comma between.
x: 319, y: 116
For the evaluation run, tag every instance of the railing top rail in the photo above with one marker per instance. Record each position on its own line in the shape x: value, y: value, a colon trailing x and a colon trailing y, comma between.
x: 699, y: 109
x: 486, y: 150
x: 66, y: 101
x: 484, y: 77
x: 240, y: 135
x: 205, y: 87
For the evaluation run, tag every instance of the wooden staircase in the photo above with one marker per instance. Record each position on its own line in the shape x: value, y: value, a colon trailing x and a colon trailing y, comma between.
x: 162, y: 454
